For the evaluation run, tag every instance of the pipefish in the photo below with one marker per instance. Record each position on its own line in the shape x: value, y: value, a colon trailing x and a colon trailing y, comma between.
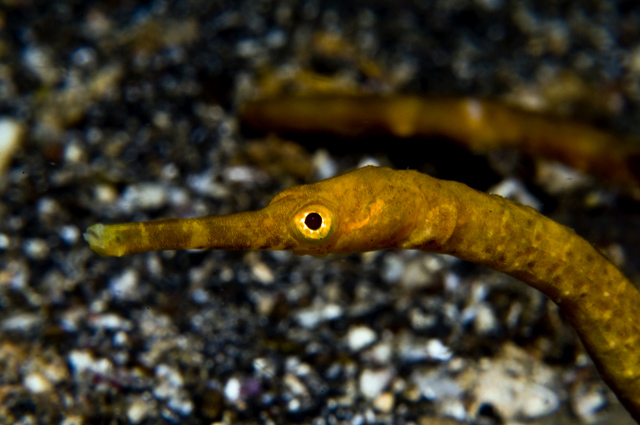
x: 375, y: 208
x: 478, y: 124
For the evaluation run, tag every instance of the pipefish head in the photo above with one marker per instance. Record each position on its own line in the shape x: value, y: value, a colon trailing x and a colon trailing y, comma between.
x: 365, y: 210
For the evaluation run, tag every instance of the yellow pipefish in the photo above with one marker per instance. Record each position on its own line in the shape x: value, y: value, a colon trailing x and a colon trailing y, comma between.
x: 375, y: 208
x: 478, y: 124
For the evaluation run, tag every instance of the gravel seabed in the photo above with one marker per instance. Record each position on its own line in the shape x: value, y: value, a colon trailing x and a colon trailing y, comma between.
x: 127, y: 111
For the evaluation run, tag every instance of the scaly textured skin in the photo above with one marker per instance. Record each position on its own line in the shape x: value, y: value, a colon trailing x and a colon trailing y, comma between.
x: 375, y: 208
x: 477, y: 124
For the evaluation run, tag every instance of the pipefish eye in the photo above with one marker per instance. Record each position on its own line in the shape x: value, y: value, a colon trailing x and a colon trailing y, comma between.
x: 314, y: 223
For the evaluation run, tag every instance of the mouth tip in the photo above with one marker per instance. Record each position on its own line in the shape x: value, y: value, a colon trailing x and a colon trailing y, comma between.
x: 97, y: 238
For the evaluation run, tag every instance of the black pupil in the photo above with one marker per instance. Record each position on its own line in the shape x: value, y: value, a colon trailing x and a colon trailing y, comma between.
x: 313, y: 221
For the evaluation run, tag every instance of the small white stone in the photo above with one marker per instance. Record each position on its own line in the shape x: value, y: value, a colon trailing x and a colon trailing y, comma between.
x: 514, y: 189
x: 232, y: 389
x: 314, y: 315
x: 244, y: 175
x: 557, y: 178
x: 392, y: 268
x: 4, y: 241
x: 125, y: 286
x: 145, y: 196
x: 485, y: 321
x: 205, y: 184
x: 80, y: 361
x: 380, y: 353
x: 180, y: 403
x: 38, y: 60
x: 11, y: 132
x: 36, y: 248
x: 587, y: 401
x: 373, y: 382
x: 37, y: 384
x: 74, y: 153
x: 294, y: 405
x: 111, y: 322
x: 436, y: 385
x: 437, y: 350
x: 69, y: 234
x: 73, y: 420
x: 105, y: 193
x: 360, y: 337
x: 23, y: 322
x: 162, y: 120
x: 295, y: 385
x: 516, y: 385
x: 453, y: 408
x: 384, y: 402
x: 324, y: 166
x: 47, y: 207
x: 169, y: 374
x: 121, y: 339
x: 262, y: 273
x: 139, y: 410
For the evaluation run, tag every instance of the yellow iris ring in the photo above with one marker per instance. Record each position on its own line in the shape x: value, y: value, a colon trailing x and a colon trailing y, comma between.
x: 319, y: 234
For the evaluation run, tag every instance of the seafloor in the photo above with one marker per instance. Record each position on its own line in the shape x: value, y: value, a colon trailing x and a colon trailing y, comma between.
x: 116, y: 111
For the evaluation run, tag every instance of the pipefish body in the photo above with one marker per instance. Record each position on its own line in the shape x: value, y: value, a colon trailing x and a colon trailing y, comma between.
x: 480, y: 125
x: 375, y: 208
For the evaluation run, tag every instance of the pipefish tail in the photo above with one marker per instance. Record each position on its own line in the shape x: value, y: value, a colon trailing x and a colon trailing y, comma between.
x: 381, y: 208
x: 480, y: 125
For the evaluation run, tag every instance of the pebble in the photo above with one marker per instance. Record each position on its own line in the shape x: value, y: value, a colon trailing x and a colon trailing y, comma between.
x: 360, y: 337
x: 262, y: 273
x: 246, y: 176
x: 437, y: 350
x: 4, y: 241
x: 557, y: 178
x: 37, y: 383
x: 75, y: 153
x: 205, y: 184
x: 485, y: 321
x: 143, y: 196
x: 36, y: 248
x: 325, y: 167
x: 24, y: 322
x: 384, y: 402
x: 105, y: 193
x: 392, y: 268
x: 312, y: 316
x: 295, y: 385
x: 587, y: 401
x: 514, y: 189
x: 380, y: 353
x: 73, y: 420
x: 170, y: 389
x: 421, y: 272
x: 232, y: 390
x: 436, y: 384
x: 125, y: 286
x: 83, y: 361
x: 69, y: 234
x: 38, y: 61
x: 516, y: 385
x: 139, y: 409
x: 111, y: 322
x: 373, y: 382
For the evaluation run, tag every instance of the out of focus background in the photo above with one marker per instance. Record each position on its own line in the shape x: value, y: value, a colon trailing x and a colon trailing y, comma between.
x: 114, y: 111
